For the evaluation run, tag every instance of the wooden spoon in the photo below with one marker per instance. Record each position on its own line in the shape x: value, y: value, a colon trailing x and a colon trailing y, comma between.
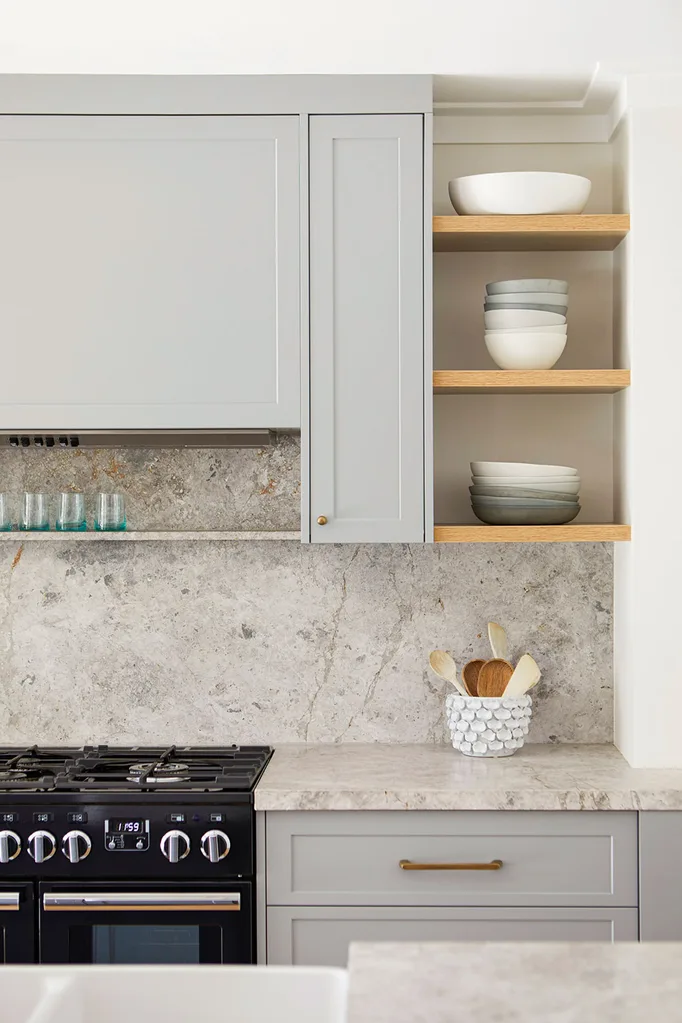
x: 498, y: 641
x: 493, y: 677
x: 526, y: 675
x: 470, y: 673
x: 444, y: 666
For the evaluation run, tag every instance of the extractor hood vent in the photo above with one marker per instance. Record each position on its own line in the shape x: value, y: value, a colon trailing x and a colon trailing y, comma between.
x: 146, y: 439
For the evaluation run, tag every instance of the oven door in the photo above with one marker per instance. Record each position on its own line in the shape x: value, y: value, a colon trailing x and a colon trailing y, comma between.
x: 146, y: 923
x: 17, y: 924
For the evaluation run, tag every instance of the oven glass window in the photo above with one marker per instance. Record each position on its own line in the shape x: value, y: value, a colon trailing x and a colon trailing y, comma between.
x: 145, y: 944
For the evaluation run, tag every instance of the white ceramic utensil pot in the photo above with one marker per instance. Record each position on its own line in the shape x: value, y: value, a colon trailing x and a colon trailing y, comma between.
x: 486, y: 727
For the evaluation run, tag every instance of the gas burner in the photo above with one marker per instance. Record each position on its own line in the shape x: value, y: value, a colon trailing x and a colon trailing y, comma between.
x: 144, y: 769
x: 145, y: 774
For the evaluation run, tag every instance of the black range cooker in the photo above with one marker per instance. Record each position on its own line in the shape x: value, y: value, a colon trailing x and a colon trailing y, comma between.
x: 128, y: 854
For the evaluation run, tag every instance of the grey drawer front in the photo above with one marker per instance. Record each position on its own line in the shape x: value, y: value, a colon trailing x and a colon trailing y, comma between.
x: 549, y: 859
x: 320, y: 936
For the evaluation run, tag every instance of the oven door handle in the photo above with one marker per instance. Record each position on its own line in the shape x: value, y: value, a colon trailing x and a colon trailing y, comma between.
x: 142, y: 902
x: 9, y: 902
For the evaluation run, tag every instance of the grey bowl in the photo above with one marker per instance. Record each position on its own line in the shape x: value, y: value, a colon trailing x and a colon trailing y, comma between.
x: 527, y: 284
x: 495, y: 516
x: 521, y: 492
x: 561, y: 309
x: 521, y: 502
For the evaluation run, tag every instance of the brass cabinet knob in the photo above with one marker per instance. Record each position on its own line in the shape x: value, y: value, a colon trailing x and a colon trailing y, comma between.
x: 322, y: 520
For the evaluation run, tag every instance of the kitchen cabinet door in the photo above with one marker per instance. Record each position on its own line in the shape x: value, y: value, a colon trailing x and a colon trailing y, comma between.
x: 367, y: 328
x: 320, y: 936
x: 149, y: 272
x: 660, y: 884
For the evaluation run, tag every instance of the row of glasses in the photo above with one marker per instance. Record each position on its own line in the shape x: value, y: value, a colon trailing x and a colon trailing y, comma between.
x: 37, y: 512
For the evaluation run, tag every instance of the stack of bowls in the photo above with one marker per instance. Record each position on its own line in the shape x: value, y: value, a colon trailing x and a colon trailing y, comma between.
x: 525, y: 322
x: 524, y: 494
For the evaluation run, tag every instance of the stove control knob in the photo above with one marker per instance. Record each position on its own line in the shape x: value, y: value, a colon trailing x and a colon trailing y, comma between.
x: 215, y: 845
x: 10, y: 846
x: 175, y: 845
x: 76, y: 846
x: 41, y: 846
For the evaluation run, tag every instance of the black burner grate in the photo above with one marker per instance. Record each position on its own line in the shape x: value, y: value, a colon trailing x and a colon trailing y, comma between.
x: 133, y: 768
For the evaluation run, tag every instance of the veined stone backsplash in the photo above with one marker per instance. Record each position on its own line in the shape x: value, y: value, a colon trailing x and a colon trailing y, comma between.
x: 211, y: 641
x: 173, y: 488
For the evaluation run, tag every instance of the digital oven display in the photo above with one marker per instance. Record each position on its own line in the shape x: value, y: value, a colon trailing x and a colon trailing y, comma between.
x: 120, y: 826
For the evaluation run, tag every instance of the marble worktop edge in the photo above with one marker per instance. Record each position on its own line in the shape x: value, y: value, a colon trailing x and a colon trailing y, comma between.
x: 359, y: 776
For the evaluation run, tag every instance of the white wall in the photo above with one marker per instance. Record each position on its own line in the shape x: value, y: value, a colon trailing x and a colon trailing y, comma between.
x: 336, y: 36
x: 647, y: 590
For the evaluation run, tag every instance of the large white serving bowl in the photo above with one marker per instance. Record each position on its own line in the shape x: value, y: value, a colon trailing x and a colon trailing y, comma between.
x: 566, y: 485
x: 503, y: 318
x: 523, y: 469
x: 493, y: 516
x: 549, y: 328
x: 526, y: 284
x: 525, y: 351
x: 526, y: 298
x: 519, y: 192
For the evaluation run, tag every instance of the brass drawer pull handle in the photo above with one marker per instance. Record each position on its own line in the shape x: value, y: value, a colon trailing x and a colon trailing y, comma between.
x: 409, y: 865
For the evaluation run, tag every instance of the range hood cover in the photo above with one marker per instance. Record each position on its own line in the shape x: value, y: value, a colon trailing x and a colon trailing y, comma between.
x: 143, y: 439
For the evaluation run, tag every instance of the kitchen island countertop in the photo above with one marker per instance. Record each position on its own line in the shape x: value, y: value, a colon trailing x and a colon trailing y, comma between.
x: 567, y: 982
x: 365, y: 776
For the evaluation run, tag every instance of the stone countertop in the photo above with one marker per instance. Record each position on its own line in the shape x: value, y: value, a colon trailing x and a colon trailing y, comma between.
x: 359, y: 776
x: 515, y: 982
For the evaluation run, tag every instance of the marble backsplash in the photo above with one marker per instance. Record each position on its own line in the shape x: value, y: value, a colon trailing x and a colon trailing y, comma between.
x: 207, y: 641
x: 211, y: 641
x: 173, y: 488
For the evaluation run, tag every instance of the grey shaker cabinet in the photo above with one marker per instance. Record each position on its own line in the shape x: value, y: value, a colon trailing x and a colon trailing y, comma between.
x: 335, y: 877
x: 660, y: 856
x: 320, y: 936
x: 367, y: 328
x: 149, y: 270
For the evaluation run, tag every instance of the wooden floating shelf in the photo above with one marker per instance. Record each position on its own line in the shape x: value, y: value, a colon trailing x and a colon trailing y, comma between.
x: 606, y: 532
x: 530, y: 381
x: 602, y: 231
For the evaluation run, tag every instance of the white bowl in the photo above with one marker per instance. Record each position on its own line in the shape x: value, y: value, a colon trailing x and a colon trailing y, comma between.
x: 526, y: 298
x: 566, y: 485
x: 526, y: 284
x: 519, y: 192
x: 521, y: 469
x: 549, y: 328
x: 503, y: 318
x: 496, y: 516
x: 525, y: 351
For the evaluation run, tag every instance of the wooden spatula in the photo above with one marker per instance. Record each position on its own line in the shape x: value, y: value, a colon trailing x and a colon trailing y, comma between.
x: 493, y: 677
x: 470, y: 673
x: 498, y: 641
x: 526, y: 675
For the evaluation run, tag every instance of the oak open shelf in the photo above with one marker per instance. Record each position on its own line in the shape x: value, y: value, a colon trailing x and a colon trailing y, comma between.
x: 581, y: 231
x: 599, y: 532
x: 530, y: 381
